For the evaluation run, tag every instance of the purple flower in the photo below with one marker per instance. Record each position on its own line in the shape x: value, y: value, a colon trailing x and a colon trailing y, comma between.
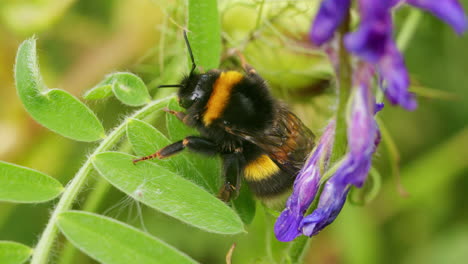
x: 363, y: 138
x: 449, y: 11
x: 373, y: 40
x: 305, y: 188
x: 373, y: 43
x: 331, y: 202
x: 395, y: 77
x: 329, y: 18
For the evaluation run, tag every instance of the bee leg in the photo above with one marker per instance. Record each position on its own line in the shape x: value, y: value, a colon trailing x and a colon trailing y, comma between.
x: 196, y: 144
x: 180, y: 115
x: 226, y: 192
x: 232, y: 172
x: 247, y: 68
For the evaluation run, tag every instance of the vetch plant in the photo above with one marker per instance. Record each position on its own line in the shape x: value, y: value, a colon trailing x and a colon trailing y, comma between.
x: 356, y: 130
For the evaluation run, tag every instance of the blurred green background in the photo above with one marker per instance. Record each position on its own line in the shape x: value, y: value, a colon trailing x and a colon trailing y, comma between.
x: 79, y: 41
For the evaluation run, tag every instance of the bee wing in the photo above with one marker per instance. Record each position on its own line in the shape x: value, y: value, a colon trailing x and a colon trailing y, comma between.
x: 287, y: 141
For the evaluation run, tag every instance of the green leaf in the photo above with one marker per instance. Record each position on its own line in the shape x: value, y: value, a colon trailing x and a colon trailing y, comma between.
x: 245, y: 204
x: 55, y: 109
x: 146, y: 140
x: 110, y: 241
x: 433, y: 93
x: 98, y: 92
x: 13, y: 253
x: 209, y: 167
x: 204, y: 33
x: 168, y: 192
x: 24, y: 185
x: 127, y: 87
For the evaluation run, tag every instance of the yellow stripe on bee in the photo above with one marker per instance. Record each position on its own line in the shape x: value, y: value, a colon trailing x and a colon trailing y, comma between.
x: 261, y: 168
x: 220, y: 96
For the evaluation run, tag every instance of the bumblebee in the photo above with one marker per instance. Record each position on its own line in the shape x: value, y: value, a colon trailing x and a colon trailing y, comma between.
x: 258, y: 138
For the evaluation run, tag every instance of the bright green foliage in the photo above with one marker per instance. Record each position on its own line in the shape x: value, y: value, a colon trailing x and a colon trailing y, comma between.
x: 110, y: 241
x: 24, y: 185
x: 130, y: 89
x: 99, y: 91
x: 146, y: 140
x: 209, y: 167
x: 245, y: 204
x: 168, y: 192
x: 127, y: 87
x: 204, y: 33
x: 53, y: 108
x: 13, y: 253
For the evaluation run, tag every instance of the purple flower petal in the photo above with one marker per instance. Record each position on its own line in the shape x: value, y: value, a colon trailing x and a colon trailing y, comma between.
x: 370, y: 40
x: 449, y: 11
x: 287, y: 226
x: 378, y: 107
x: 288, y: 223
x: 362, y: 130
x: 331, y: 202
x: 361, y: 123
x: 396, y: 80
x: 328, y: 19
x: 372, y: 10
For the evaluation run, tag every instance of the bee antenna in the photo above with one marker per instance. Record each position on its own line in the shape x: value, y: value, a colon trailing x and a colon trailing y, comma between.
x: 190, y: 52
x: 169, y: 85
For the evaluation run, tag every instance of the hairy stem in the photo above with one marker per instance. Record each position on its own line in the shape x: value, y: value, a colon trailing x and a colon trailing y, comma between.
x: 93, y: 201
x: 44, y: 246
x: 101, y: 187
x: 344, y: 86
x: 297, y: 249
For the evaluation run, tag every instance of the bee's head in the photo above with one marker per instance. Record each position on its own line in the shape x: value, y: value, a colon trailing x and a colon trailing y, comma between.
x: 194, y: 88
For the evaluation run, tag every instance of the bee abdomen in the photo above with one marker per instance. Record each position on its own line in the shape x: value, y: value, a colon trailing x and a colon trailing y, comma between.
x: 266, y: 178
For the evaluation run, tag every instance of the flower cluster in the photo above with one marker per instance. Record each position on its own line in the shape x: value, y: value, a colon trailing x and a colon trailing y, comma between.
x: 373, y: 40
x: 378, y: 55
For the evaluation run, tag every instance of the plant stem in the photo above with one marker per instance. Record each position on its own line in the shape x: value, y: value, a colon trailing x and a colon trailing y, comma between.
x: 297, y: 249
x: 259, y: 15
x: 101, y: 187
x: 93, y: 201
x: 344, y: 86
x: 43, y: 248
x: 408, y: 29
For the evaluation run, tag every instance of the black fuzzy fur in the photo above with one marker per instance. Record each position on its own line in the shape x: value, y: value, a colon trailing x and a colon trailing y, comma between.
x: 251, y: 107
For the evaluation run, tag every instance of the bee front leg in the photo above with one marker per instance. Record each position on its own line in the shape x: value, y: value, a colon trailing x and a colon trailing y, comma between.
x: 180, y: 115
x: 194, y: 143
